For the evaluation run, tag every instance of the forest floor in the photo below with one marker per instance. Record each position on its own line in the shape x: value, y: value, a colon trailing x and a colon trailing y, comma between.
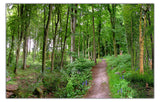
x: 99, y: 88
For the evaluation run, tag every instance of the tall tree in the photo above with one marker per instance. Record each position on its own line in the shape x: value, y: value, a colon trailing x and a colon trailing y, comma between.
x: 45, y: 38
x: 141, y: 37
x: 99, y: 31
x: 63, y: 49
x: 73, y: 28
x: 21, y: 36
x: 25, y: 37
x: 54, y: 36
x: 94, y: 45
x: 112, y: 11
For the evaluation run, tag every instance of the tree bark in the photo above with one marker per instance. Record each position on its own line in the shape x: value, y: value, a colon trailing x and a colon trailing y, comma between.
x: 99, y: 32
x: 141, y: 40
x: 11, y: 50
x: 54, y: 38
x: 35, y: 44
x: 132, y: 53
x: 20, y: 39
x: 94, y: 45
x: 73, y: 28
x: 45, y: 38
x: 152, y: 39
x: 25, y: 38
x: 64, y: 39
x: 113, y: 19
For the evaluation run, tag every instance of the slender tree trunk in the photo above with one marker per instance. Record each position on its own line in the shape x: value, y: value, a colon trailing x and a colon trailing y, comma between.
x: 88, y: 48
x: 79, y: 38
x: 54, y: 39
x: 25, y: 43
x: 73, y: 28
x: 141, y: 40
x: 140, y: 43
x: 24, y: 49
x: 35, y: 44
x: 99, y: 32
x: 94, y: 45
x: 11, y: 51
x: 113, y: 27
x: 45, y: 38
x: 113, y: 19
x: 65, y: 39
x: 83, y: 45
x: 132, y: 53
x: 20, y: 39
x: 152, y: 40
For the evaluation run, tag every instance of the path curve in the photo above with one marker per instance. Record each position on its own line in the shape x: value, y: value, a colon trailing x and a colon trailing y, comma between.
x: 99, y: 88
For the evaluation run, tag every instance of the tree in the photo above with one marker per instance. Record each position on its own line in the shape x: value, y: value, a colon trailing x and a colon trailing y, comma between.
x: 73, y: 28
x: 20, y: 39
x: 112, y: 12
x: 141, y: 38
x: 45, y: 38
x: 25, y: 37
x: 94, y: 46
x: 63, y: 49
x: 54, y: 36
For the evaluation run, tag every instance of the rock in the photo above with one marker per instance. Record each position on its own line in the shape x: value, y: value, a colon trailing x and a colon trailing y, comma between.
x: 9, y: 94
x: 11, y: 88
x: 39, y: 92
x: 117, y: 73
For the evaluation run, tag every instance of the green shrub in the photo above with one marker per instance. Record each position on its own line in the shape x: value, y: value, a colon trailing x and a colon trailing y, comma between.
x: 147, y: 77
x: 131, y: 77
x: 79, y: 77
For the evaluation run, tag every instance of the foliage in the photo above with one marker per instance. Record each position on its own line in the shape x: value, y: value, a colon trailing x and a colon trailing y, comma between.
x: 79, y: 79
x: 121, y: 76
x: 118, y: 22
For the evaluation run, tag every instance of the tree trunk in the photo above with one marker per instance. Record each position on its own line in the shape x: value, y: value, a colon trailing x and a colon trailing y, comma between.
x: 113, y: 19
x: 132, y: 53
x: 152, y: 40
x: 64, y: 39
x: 54, y: 38
x: 99, y: 32
x: 34, y: 47
x: 24, y: 49
x: 73, y: 28
x: 11, y: 50
x: 94, y: 45
x: 88, y: 47
x: 45, y: 38
x: 141, y: 40
x: 25, y: 38
x: 79, y: 38
x: 20, y: 39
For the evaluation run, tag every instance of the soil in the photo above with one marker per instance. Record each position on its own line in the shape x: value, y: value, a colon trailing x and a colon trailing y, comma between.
x: 99, y: 88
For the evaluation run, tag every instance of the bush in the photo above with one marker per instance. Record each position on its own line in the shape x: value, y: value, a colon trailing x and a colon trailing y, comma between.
x: 53, y: 81
x: 79, y: 77
x: 147, y: 77
x: 121, y: 86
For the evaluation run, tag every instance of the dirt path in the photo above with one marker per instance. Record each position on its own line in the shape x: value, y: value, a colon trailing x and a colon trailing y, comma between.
x: 99, y: 87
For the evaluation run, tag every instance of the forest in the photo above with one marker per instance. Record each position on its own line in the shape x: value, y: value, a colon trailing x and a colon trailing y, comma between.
x: 79, y: 50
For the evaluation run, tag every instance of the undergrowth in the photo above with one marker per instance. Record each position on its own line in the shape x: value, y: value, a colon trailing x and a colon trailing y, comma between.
x: 72, y: 81
x: 122, y: 78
